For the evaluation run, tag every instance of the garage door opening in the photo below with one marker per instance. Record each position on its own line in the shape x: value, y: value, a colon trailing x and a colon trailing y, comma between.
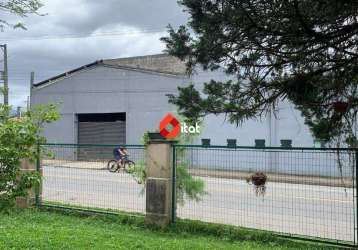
x: 100, y: 129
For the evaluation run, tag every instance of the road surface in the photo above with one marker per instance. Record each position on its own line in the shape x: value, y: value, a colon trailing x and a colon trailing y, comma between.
x: 310, y: 210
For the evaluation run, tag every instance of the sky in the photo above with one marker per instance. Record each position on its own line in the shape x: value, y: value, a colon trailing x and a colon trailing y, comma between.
x: 72, y: 33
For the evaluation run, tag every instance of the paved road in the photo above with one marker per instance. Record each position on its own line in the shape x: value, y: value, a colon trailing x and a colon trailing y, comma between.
x: 312, y: 210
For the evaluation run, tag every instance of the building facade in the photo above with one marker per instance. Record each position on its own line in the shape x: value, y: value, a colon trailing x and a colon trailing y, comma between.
x: 115, y: 101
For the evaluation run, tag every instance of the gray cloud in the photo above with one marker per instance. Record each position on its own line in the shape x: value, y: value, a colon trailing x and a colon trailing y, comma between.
x: 145, y: 14
x: 48, y: 57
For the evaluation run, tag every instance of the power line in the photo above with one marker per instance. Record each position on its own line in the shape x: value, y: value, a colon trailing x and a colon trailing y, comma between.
x: 22, y: 75
x: 101, y: 91
x: 76, y: 36
x: 179, y: 77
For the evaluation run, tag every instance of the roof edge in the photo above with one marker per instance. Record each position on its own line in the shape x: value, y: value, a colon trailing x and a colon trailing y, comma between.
x: 138, y: 57
x: 102, y: 62
x: 68, y: 73
x: 142, y: 70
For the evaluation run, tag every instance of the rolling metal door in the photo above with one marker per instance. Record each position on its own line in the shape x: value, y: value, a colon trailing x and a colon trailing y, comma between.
x: 100, y: 133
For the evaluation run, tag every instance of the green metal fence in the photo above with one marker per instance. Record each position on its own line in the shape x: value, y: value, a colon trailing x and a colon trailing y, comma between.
x: 76, y: 176
x: 308, y: 192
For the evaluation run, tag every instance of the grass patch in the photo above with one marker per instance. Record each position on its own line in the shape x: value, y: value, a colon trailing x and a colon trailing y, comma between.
x: 33, y: 229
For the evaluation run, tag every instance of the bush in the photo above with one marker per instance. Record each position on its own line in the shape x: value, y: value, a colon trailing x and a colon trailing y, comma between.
x: 187, y: 187
x: 19, y: 140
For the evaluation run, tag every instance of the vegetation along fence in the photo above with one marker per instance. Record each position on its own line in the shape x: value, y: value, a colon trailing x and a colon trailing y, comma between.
x: 303, y: 192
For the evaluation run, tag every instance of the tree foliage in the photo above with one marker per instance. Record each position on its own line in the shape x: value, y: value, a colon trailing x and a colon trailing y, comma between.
x: 187, y: 186
x: 304, y: 51
x: 21, y: 8
x: 19, y: 140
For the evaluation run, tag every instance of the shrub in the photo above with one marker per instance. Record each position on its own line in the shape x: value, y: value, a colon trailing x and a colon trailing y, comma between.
x: 187, y: 187
x: 19, y: 140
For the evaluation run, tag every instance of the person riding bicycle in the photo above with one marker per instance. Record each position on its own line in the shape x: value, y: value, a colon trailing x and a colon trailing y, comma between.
x: 120, y: 161
x: 120, y: 154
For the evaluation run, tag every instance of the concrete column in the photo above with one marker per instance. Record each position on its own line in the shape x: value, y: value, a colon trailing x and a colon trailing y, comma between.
x: 159, y: 169
x: 26, y: 202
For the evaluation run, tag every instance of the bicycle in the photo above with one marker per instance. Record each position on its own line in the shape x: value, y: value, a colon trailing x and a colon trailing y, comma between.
x: 115, y: 166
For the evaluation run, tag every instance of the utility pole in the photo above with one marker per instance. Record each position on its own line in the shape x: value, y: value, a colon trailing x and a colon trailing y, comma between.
x: 18, y: 111
x: 5, y: 75
x: 32, y: 82
x: 28, y: 103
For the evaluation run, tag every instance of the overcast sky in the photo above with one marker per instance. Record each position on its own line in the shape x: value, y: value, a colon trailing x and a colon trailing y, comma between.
x: 77, y: 32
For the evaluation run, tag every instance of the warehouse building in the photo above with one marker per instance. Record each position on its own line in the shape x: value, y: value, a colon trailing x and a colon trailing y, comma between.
x: 115, y: 101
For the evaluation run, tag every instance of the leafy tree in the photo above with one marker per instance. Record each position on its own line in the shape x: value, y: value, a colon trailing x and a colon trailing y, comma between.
x: 20, y: 8
x: 304, y: 51
x: 19, y: 140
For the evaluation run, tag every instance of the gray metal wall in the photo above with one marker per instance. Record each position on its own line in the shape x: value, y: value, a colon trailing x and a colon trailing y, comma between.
x: 284, y: 123
x: 142, y: 96
x: 108, y: 90
x: 293, y: 162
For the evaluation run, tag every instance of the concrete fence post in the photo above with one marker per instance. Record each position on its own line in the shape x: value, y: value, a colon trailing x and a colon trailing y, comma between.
x: 159, y: 167
x: 28, y: 201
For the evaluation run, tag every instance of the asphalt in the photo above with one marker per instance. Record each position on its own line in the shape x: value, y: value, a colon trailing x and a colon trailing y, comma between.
x: 300, y: 209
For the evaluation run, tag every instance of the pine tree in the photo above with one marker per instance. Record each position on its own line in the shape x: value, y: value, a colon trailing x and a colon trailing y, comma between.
x: 304, y: 51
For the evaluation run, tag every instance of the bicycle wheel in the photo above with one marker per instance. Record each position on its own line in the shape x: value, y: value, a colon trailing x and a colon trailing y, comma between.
x: 128, y: 165
x: 112, y: 166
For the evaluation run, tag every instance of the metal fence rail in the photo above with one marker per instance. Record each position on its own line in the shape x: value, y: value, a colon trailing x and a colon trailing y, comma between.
x: 77, y: 176
x: 308, y: 192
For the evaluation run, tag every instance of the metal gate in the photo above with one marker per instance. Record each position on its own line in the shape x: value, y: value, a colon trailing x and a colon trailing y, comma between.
x: 100, y: 133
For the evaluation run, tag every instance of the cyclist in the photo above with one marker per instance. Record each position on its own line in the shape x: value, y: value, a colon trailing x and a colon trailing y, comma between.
x: 120, y: 154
